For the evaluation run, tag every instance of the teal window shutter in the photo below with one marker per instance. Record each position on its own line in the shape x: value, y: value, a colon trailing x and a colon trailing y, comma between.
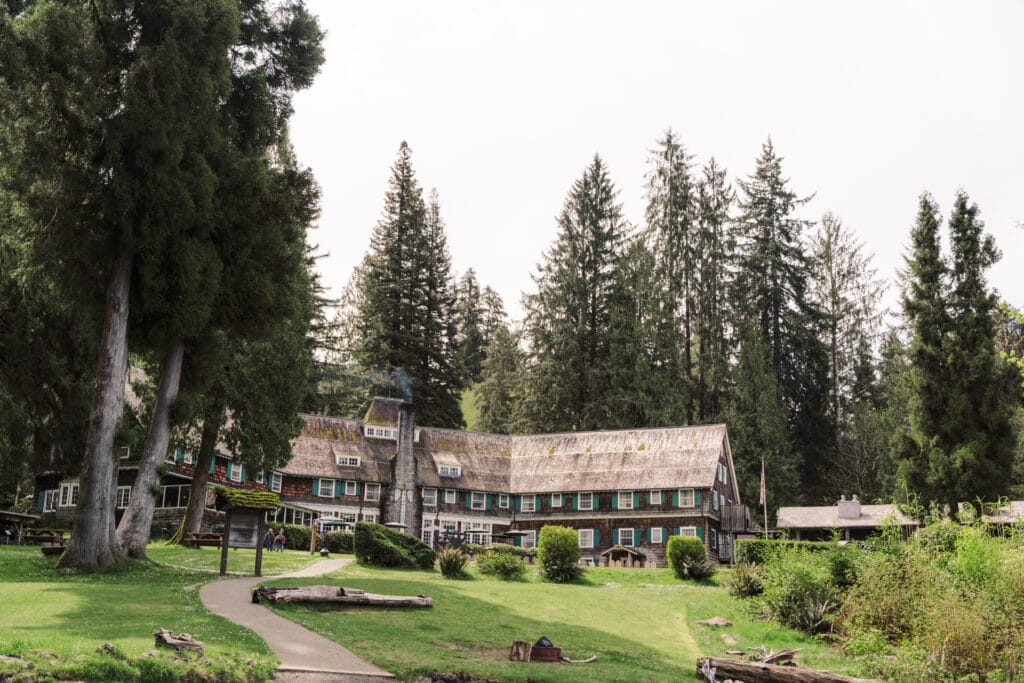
x: 700, y: 533
x: 536, y: 503
x: 359, y: 488
x: 316, y: 487
x: 469, y: 500
x: 637, y: 499
x: 213, y: 463
x: 518, y: 502
x: 488, y: 501
x: 179, y: 455
x: 675, y: 531
x: 647, y: 535
x: 339, y: 488
x: 243, y: 472
x: 615, y: 501
x: 615, y: 536
x: 696, y: 497
x: 40, y: 501
x: 229, y: 468
x: 597, y: 538
x: 675, y: 498
x: 575, y: 502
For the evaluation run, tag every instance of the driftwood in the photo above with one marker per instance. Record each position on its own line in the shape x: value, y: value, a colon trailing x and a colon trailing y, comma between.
x: 184, y: 641
x: 339, y: 594
x: 759, y: 672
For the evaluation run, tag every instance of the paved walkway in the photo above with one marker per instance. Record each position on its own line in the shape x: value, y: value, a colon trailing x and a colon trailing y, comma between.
x: 306, y: 657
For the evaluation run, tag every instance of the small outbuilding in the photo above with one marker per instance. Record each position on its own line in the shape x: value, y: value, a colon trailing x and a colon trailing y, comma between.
x: 854, y: 520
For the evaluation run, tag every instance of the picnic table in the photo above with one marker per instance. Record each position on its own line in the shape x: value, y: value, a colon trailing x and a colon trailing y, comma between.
x: 194, y: 540
x: 43, y: 536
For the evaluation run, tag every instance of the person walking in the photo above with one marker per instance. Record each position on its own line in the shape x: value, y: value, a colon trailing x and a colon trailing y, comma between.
x: 279, y: 541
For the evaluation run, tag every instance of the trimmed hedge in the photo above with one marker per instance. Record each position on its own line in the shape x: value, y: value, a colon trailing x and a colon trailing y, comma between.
x: 760, y: 550
x: 377, y: 545
x: 559, y: 553
x: 337, y: 541
x: 684, y: 552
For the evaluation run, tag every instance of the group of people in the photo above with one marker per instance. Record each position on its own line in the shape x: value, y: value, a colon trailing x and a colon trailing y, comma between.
x: 274, y: 541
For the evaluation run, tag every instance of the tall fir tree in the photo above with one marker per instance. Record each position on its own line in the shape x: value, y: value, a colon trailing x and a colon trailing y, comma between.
x: 567, y: 318
x: 771, y: 288
x: 497, y: 394
x: 404, y: 317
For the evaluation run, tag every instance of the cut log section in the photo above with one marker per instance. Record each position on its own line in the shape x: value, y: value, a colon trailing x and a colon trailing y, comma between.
x: 759, y: 672
x: 165, y: 638
x: 339, y: 594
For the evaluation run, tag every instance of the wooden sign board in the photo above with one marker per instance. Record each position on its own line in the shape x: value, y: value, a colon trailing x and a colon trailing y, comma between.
x: 245, y: 528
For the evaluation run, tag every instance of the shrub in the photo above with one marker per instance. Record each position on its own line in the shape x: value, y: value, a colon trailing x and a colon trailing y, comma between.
x: 452, y: 562
x: 505, y: 548
x: 377, y: 545
x: 760, y: 550
x: 502, y: 564
x: 684, y: 552
x: 337, y: 541
x: 472, y: 548
x: 744, y: 581
x: 559, y: 553
x: 296, y: 536
x: 842, y: 564
x: 798, y: 591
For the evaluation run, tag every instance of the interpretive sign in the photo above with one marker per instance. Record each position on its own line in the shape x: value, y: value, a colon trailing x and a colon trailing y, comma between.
x: 244, y: 532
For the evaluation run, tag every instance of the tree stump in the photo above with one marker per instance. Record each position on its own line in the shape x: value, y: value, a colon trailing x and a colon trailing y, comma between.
x: 520, y: 651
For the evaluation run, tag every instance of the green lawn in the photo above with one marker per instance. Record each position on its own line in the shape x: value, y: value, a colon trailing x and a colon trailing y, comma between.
x: 240, y: 561
x: 642, y: 625
x: 57, y: 619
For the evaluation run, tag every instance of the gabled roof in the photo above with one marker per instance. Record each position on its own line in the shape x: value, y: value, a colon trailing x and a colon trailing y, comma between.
x: 314, y: 453
x: 827, y: 517
x: 383, y: 412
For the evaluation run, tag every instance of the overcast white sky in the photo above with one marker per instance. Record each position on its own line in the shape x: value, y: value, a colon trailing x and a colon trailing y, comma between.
x: 505, y: 103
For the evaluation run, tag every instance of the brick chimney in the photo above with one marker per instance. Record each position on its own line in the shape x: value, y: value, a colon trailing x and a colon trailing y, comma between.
x: 849, y: 509
x: 403, y: 501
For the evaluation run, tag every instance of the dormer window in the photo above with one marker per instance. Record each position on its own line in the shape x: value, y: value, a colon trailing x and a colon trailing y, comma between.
x: 449, y: 471
x: 347, y: 460
x: 389, y: 433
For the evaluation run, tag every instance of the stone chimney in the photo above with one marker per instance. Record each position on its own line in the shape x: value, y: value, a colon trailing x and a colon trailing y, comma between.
x: 849, y: 509
x: 403, y: 501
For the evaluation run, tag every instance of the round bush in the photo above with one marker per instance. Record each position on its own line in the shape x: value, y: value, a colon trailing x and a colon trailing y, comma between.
x: 337, y: 541
x: 377, y: 545
x: 684, y: 551
x: 559, y: 553
x: 501, y: 564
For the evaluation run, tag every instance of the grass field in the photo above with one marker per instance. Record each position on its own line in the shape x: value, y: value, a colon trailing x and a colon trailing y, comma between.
x: 239, y: 561
x: 642, y: 625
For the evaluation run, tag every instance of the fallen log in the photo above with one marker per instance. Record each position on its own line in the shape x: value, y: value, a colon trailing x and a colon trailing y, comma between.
x: 759, y: 672
x: 184, y: 641
x: 339, y: 594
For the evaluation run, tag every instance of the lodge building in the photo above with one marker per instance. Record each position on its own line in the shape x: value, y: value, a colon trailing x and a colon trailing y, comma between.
x: 632, y: 488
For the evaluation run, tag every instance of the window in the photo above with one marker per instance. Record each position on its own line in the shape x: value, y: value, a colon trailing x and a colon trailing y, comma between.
x: 234, y: 472
x: 586, y: 538
x: 626, y: 537
x: 480, y: 533
x: 390, y: 433
x: 189, y: 459
x: 326, y: 488
x: 688, y: 531
x: 449, y: 471
x: 275, y: 481
x: 351, y: 488
x: 69, y: 495
x: 656, y: 497
x: 556, y: 500
x: 450, y: 496
x: 427, y: 536
x: 686, y: 498
x: 657, y: 535
x: 261, y: 476
x: 478, y: 501
x: 123, y: 494
x: 586, y: 501
x: 372, y: 492
x: 713, y: 538
x: 503, y: 500
x: 625, y: 500
x: 529, y: 504
x: 175, y: 496
x: 347, y: 460
x: 429, y: 498
x: 530, y: 539
x: 50, y: 500
x: 370, y: 516
x: 125, y: 452
x: 716, y: 501
x: 171, y: 458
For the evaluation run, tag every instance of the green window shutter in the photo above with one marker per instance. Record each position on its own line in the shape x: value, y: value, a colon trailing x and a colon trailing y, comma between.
x: 637, y: 499
x: 488, y: 501
x: 229, y: 469
x: 700, y: 533
x: 615, y: 501
x: 516, y: 540
x: 469, y: 500
x: 339, y: 488
x: 243, y: 473
x: 40, y: 501
x: 675, y: 498
x: 696, y: 497
x: 213, y: 463
x: 359, y: 488
x: 597, y: 538
x: 178, y: 455
x: 518, y: 503
x: 575, y: 502
x: 316, y: 487
x: 675, y: 531
x: 536, y: 503
x: 647, y: 535
x: 615, y: 536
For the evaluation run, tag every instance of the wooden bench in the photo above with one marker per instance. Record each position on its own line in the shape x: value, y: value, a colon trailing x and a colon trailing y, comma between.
x: 205, y: 538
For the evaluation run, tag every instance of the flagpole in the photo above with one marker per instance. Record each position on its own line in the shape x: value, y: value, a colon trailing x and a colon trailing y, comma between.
x: 764, y: 501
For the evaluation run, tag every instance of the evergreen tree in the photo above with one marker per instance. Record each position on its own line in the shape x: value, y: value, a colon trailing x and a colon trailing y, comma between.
x: 771, y: 288
x: 404, y: 317
x: 469, y: 347
x: 498, y: 392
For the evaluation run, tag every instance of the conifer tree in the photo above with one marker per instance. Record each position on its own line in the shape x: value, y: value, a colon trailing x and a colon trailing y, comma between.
x: 497, y: 395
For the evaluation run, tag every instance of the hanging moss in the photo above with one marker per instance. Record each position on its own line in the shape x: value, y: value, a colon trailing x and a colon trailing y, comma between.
x: 245, y: 498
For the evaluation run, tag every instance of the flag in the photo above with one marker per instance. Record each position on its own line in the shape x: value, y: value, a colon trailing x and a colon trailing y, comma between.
x: 762, y: 498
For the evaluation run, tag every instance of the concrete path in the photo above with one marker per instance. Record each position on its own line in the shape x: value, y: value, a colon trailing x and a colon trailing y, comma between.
x: 306, y: 657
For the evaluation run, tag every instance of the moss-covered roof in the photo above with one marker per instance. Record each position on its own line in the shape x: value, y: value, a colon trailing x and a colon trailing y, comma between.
x: 245, y: 498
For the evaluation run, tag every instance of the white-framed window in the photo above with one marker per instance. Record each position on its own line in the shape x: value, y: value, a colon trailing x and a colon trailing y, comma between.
x: 370, y: 516
x: 586, y: 538
x: 275, y: 481
x: 351, y: 488
x: 175, y: 496
x: 429, y: 498
x: 480, y: 533
x: 716, y: 500
x: 50, y: 499
x: 124, y: 452
x: 656, y: 497
x: 626, y: 537
x: 189, y: 458
x: 427, y: 536
x: 713, y: 538
x: 556, y: 500
x: 530, y: 539
x: 625, y: 500
x: 586, y: 500
x: 123, y: 494
x: 234, y: 472
x: 449, y: 471
x: 261, y: 476
x: 657, y: 535
x: 390, y: 433
x: 503, y: 500
x: 347, y: 460
x: 478, y: 501
x: 686, y: 498
x: 528, y: 504
x: 688, y: 531
x: 372, y: 492
x: 172, y: 457
x: 450, y: 497
x: 69, y: 494
x: 326, y: 489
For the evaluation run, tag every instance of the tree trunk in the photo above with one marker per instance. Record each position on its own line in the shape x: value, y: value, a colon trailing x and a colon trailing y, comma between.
x: 133, y: 531
x: 339, y: 594
x: 771, y: 673
x: 93, y: 542
x: 197, y: 494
